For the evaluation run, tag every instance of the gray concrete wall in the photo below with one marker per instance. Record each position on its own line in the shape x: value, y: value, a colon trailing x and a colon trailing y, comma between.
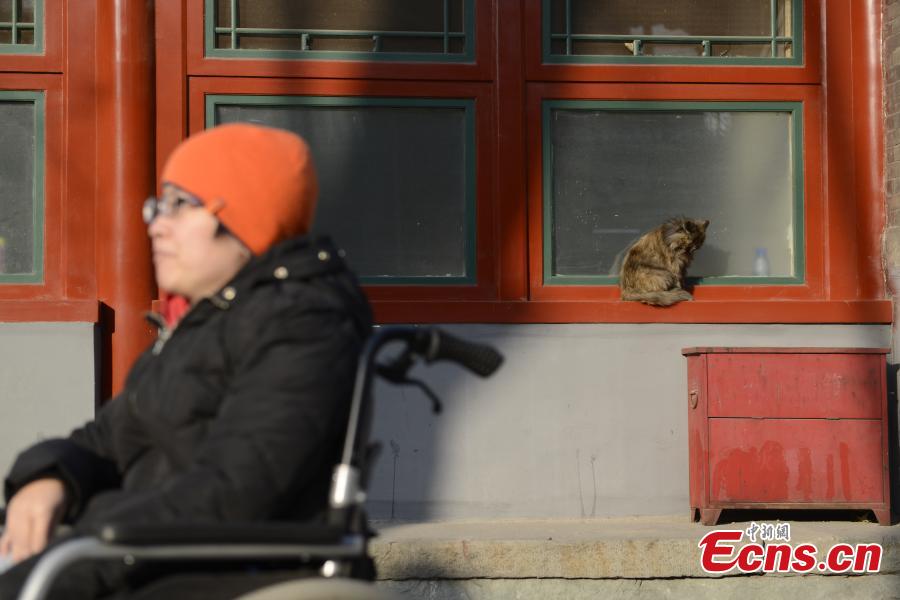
x: 582, y: 421
x: 47, y: 382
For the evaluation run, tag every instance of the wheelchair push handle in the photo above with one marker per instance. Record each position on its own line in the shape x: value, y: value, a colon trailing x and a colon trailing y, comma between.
x: 428, y: 344
x: 435, y: 344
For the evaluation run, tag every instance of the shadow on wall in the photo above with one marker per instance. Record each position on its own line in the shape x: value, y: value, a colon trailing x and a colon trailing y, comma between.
x: 365, y: 156
x: 392, y: 185
x: 419, y: 446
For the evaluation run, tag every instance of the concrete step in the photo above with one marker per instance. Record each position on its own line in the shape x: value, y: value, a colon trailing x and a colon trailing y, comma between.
x: 637, y: 557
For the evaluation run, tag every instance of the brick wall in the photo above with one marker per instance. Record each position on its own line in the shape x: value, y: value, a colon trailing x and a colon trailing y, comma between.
x: 891, y: 66
x: 891, y: 40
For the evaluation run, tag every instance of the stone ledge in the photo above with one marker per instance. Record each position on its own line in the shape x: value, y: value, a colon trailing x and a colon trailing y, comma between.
x: 632, y: 548
x: 813, y: 587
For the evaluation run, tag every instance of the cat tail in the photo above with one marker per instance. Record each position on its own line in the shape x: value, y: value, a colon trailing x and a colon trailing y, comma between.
x: 667, y: 298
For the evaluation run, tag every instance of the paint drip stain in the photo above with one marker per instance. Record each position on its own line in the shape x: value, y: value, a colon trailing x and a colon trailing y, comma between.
x: 754, y: 474
x: 845, y: 470
x: 804, y: 474
x: 829, y: 479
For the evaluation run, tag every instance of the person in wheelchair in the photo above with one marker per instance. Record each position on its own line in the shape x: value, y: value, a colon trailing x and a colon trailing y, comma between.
x: 237, y: 412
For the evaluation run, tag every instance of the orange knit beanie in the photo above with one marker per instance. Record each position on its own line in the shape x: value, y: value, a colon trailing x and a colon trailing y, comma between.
x: 260, y: 182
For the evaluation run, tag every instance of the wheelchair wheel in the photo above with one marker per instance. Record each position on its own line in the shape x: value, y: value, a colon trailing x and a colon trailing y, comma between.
x: 320, y: 589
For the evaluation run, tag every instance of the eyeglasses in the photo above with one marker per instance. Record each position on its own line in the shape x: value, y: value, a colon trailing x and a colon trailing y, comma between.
x: 168, y: 205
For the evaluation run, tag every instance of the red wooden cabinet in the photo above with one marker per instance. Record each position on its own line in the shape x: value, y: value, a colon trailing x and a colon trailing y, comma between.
x: 787, y: 428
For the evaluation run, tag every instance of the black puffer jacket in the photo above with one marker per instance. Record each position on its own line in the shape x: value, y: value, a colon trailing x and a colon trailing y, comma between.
x: 237, y: 415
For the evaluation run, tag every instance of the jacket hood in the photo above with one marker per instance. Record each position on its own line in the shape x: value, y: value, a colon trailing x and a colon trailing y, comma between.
x: 300, y: 258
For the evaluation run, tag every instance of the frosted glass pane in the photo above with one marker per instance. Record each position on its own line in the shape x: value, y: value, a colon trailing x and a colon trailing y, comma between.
x: 26, y: 11
x: 17, y: 218
x: 392, y: 182
x: 671, y: 19
x: 616, y: 174
x: 323, y: 17
x: 389, y: 15
x: 668, y: 17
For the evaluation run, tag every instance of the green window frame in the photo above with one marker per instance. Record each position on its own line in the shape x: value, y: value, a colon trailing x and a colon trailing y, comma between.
x: 15, y: 26
x: 213, y: 101
x: 37, y: 100
x: 468, y: 35
x: 674, y: 106
x: 795, y: 39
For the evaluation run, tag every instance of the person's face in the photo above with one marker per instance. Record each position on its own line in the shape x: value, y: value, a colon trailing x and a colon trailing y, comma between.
x: 189, y: 257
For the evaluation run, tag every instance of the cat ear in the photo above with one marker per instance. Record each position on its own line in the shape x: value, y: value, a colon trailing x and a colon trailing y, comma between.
x: 670, y: 228
x: 703, y: 224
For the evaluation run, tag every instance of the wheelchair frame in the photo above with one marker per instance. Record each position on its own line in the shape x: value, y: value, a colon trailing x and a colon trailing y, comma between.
x: 339, y: 542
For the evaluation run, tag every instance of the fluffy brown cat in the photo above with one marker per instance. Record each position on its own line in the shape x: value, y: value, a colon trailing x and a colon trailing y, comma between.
x: 654, y: 266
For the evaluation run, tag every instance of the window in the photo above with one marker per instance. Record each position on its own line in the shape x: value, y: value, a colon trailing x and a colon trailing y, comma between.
x: 504, y: 154
x: 640, y: 114
x: 402, y: 133
x: 689, y: 31
x: 21, y: 187
x: 396, y: 178
x: 614, y: 170
x: 46, y: 252
x: 432, y: 30
x: 21, y: 24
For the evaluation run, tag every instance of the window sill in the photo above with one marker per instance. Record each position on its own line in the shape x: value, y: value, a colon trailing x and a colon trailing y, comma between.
x: 856, y: 311
x: 616, y: 311
x: 36, y: 311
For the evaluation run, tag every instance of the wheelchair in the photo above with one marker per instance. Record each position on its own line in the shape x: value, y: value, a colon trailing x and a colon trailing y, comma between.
x: 339, y: 545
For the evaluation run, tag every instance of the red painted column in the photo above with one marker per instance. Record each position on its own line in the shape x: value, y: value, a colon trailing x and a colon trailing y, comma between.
x: 126, y: 174
x: 511, y: 189
x: 855, y: 163
x: 842, y: 241
x: 868, y: 105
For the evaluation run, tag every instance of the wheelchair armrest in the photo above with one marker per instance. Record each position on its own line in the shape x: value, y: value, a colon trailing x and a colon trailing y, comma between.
x: 177, y: 534
x: 191, y: 541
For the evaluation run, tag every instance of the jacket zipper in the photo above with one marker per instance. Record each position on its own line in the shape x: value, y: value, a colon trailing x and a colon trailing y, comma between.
x: 163, y: 332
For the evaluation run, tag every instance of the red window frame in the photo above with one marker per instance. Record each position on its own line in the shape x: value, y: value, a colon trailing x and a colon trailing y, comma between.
x: 51, y: 60
x: 832, y: 259
x: 482, y: 93
x: 482, y: 69
x: 810, y: 72
x: 65, y: 73
x: 844, y: 210
x: 50, y: 87
x: 809, y: 96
